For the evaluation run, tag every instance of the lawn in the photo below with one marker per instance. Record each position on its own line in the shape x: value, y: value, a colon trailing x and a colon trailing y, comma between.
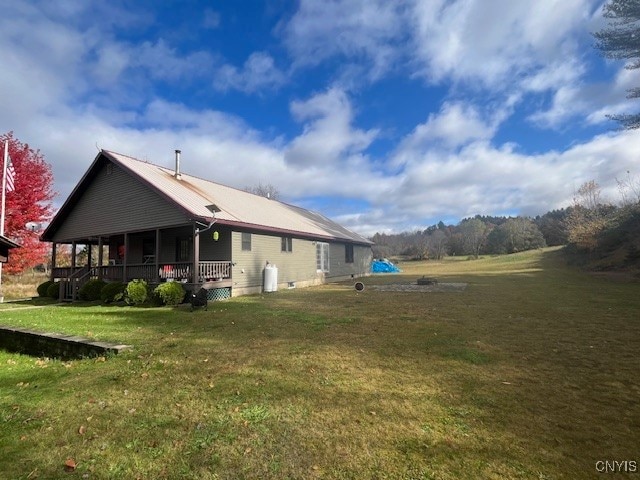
x: 531, y: 372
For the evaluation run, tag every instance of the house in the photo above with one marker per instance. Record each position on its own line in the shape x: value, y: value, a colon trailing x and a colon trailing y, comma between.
x: 159, y: 224
x: 5, y: 246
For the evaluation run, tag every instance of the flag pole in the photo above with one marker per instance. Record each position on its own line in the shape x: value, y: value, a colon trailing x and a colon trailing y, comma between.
x: 4, y: 184
x: 4, y: 191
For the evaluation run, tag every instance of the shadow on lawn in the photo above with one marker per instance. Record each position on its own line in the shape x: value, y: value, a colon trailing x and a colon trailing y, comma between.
x: 533, y: 359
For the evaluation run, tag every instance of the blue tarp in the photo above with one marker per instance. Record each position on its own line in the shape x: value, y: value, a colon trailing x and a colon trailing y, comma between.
x: 383, y: 266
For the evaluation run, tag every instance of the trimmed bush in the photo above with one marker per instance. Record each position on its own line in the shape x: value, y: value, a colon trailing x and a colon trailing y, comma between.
x: 53, y: 290
x: 90, y: 291
x: 43, y: 287
x: 136, y: 292
x: 112, y: 292
x: 171, y: 293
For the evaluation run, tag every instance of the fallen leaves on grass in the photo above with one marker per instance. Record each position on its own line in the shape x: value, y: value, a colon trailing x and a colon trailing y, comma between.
x: 70, y: 465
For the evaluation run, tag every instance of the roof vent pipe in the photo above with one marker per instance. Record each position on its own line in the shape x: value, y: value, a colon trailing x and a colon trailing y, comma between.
x: 177, y: 174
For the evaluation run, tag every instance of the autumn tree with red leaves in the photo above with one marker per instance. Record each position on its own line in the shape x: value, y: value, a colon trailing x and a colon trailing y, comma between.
x: 28, y: 203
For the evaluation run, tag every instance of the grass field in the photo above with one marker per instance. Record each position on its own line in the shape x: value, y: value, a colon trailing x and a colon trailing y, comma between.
x: 15, y: 287
x: 531, y: 372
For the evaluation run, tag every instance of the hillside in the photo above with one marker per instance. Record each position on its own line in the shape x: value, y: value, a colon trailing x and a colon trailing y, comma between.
x: 618, y: 245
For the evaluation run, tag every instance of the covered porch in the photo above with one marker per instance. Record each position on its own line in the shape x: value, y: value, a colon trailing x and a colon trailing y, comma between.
x: 189, y: 254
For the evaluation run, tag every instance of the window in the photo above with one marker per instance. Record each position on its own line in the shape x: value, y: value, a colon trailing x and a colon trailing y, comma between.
x: 183, y: 249
x: 322, y: 257
x: 287, y: 244
x: 246, y: 242
x: 348, y: 253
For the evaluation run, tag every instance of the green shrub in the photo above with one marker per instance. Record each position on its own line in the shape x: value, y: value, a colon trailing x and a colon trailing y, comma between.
x: 53, y: 290
x: 43, y: 287
x: 171, y: 293
x: 90, y: 291
x: 112, y: 292
x: 136, y: 292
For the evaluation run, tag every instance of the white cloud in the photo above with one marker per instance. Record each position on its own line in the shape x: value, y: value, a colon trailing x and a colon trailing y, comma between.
x: 591, y: 101
x: 488, y: 43
x: 611, y: 99
x: 455, y: 125
x: 112, y: 60
x: 161, y: 114
x: 493, y: 41
x: 553, y: 75
x: 258, y: 72
x: 482, y: 178
x: 503, y: 48
x: 357, y: 30
x: 164, y: 62
x: 328, y: 135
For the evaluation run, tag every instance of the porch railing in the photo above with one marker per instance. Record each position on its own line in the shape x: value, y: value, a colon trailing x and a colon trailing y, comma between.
x: 65, y: 272
x: 175, y: 271
x: 214, y: 271
x: 179, y: 271
x: 69, y: 287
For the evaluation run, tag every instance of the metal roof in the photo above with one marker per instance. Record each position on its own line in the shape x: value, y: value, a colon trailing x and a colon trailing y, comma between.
x: 199, y: 198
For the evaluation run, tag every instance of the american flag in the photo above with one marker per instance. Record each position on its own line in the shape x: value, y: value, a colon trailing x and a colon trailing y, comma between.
x: 11, y: 175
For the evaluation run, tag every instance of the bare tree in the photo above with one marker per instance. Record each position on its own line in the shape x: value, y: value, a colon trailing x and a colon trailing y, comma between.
x: 629, y: 189
x: 437, y: 244
x: 267, y: 190
x: 474, y: 232
x: 587, y: 218
x: 588, y: 195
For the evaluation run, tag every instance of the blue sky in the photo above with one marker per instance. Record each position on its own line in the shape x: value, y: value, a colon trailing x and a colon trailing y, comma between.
x: 385, y: 116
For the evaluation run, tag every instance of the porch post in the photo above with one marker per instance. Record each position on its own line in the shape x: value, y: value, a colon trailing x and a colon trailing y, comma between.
x: 89, y: 256
x: 196, y: 255
x: 73, y: 257
x: 73, y: 271
x: 53, y: 258
x: 157, y: 255
x: 100, y: 252
x: 126, y: 258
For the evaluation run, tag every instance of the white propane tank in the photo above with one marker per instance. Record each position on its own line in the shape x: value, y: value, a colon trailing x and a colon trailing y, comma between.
x: 270, y: 278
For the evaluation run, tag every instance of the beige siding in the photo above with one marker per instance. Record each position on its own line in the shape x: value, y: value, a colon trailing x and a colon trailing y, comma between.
x: 338, y: 267
x: 116, y: 202
x: 297, y: 266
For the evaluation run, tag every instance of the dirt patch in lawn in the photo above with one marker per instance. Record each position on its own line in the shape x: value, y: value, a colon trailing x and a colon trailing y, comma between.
x: 412, y: 287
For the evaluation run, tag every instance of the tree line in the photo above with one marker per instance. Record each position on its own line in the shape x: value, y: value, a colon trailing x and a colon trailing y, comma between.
x: 589, y: 225
x: 471, y: 237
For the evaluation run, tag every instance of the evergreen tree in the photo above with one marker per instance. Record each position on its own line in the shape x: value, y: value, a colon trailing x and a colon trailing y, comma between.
x: 621, y: 41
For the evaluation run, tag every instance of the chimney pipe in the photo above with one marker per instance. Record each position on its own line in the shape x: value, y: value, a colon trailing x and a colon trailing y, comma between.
x: 177, y: 174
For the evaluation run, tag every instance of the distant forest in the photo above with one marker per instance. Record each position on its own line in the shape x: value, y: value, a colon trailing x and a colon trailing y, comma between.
x: 476, y: 236
x: 606, y: 234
